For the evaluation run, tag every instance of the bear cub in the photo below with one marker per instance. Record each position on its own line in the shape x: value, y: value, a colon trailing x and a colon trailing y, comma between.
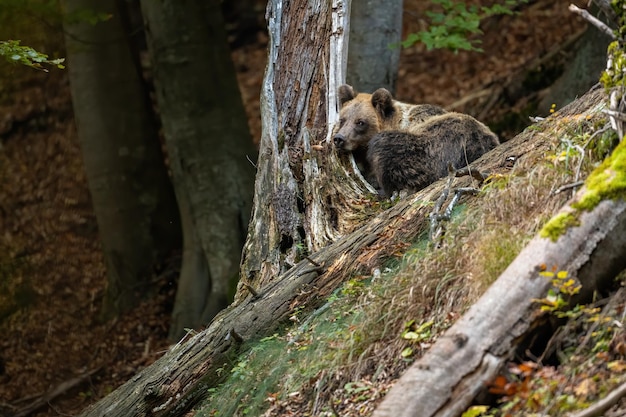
x: 400, y: 146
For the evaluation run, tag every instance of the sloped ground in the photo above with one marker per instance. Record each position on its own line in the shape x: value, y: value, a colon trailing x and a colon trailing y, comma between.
x: 51, y: 268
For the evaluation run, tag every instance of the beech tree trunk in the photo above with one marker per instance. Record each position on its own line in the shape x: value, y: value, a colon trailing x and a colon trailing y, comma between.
x: 182, y: 376
x: 132, y: 195
x: 210, y: 151
x: 374, y: 46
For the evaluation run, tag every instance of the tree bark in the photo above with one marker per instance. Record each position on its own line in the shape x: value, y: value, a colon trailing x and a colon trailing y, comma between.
x: 374, y: 52
x: 586, y: 61
x: 132, y: 195
x: 182, y: 376
x: 210, y: 150
x: 305, y: 197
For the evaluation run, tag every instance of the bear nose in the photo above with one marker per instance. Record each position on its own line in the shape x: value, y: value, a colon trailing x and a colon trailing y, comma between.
x: 339, y: 140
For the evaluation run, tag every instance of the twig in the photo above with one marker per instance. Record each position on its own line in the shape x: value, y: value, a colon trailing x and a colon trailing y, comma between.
x: 471, y: 96
x: 605, y: 7
x: 615, y: 114
x: 250, y: 288
x: 233, y: 334
x: 434, y: 215
x: 599, y: 407
x: 580, y: 149
x: 436, y: 229
x: 568, y: 187
x: 308, y: 258
x: 60, y: 389
x: 476, y: 174
x: 591, y: 19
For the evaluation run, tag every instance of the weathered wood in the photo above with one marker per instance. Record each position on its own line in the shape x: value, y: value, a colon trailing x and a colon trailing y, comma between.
x: 305, y: 196
x: 52, y: 394
x: 468, y: 356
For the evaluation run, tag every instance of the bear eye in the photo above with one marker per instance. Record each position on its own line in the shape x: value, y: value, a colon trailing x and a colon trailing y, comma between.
x: 342, y: 121
x: 360, y: 123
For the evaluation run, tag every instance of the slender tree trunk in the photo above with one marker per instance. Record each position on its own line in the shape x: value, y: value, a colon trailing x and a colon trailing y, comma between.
x: 374, y: 52
x: 131, y: 192
x: 210, y: 150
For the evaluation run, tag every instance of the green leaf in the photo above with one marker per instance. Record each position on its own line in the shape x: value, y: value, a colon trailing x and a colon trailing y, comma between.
x: 407, y: 352
x: 16, y: 53
x: 475, y: 411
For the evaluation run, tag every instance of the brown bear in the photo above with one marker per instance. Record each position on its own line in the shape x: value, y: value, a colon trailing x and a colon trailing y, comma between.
x: 410, y: 145
x: 401, y: 160
x: 364, y: 115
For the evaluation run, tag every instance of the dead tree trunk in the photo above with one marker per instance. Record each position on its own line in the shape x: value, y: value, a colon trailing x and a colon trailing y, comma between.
x: 305, y: 198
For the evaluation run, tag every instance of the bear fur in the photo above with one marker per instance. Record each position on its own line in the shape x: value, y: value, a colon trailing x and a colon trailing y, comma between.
x: 400, y: 146
x: 401, y: 160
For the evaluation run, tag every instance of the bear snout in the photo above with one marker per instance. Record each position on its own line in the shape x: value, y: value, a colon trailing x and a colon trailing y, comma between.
x: 339, y: 140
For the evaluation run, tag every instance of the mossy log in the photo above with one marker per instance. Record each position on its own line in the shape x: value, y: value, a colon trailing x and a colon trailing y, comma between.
x: 470, y: 354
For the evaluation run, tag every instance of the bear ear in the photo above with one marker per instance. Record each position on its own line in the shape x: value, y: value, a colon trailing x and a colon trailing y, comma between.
x: 382, y: 100
x: 345, y: 94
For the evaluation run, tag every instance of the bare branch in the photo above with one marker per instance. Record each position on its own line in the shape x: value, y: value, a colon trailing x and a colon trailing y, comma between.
x: 598, y: 408
x: 591, y: 19
x: 60, y: 389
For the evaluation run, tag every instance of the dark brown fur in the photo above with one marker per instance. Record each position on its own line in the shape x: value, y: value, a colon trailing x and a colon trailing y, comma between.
x: 402, y: 160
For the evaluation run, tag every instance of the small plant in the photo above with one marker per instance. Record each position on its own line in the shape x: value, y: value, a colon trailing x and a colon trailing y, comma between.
x: 15, y: 53
x: 564, y: 287
x: 416, y: 334
x: 453, y: 24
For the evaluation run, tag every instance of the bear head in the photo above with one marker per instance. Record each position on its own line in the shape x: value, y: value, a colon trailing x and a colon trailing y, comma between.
x: 361, y: 117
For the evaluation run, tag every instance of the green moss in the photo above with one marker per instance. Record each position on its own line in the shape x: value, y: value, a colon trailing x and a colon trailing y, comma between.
x: 614, y: 76
x: 557, y: 225
x: 608, y: 181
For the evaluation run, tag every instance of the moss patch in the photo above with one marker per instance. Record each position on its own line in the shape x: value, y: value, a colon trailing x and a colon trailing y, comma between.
x: 607, y: 182
x: 558, y: 225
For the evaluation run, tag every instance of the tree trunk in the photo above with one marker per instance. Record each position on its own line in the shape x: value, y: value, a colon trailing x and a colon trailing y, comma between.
x: 210, y: 150
x: 305, y: 197
x: 374, y: 52
x: 183, y: 375
x: 131, y: 192
x: 586, y: 60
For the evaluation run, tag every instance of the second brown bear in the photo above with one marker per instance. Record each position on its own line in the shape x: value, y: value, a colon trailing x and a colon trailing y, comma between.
x: 402, y: 160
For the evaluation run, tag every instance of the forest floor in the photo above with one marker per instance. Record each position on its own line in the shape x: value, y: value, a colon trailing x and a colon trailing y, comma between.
x: 52, y: 274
